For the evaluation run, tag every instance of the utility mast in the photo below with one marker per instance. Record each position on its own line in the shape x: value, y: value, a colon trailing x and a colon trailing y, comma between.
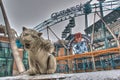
x: 11, y: 37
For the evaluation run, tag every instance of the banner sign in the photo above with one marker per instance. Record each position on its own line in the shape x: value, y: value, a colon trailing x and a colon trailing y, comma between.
x: 68, y: 11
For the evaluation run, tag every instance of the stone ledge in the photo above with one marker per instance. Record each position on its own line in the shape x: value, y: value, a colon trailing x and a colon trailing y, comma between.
x: 98, y: 75
x: 40, y: 77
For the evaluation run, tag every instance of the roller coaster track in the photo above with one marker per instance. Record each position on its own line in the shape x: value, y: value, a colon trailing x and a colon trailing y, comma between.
x: 107, y: 5
x: 89, y: 54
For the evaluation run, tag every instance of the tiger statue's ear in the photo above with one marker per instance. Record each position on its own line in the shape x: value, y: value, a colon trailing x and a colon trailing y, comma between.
x: 39, y: 34
x: 24, y: 28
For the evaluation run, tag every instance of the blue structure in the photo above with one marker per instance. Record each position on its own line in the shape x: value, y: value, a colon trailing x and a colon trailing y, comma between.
x: 19, y: 44
x: 80, y: 47
x: 6, y: 59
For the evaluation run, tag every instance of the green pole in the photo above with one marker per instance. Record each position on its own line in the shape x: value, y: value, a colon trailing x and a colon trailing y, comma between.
x: 102, y: 62
x: 84, y: 67
x: 86, y: 22
x: 88, y: 63
x: 75, y: 65
x: 102, y: 25
x: 56, y: 48
x: 112, y: 61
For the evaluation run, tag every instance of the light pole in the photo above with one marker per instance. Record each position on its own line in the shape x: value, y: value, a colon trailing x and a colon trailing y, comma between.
x: 11, y: 37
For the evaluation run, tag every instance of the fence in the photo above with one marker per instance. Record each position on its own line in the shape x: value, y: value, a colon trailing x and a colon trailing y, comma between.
x: 104, y: 60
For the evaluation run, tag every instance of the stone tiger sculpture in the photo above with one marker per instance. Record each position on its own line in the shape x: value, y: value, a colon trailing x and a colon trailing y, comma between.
x: 41, y: 61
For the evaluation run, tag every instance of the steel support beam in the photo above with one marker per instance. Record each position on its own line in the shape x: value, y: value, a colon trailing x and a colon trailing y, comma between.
x: 11, y: 37
x: 103, y: 26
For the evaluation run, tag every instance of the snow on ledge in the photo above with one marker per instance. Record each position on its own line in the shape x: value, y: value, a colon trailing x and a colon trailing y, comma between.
x: 98, y: 75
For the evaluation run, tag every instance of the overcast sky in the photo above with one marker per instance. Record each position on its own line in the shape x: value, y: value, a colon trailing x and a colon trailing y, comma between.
x: 30, y: 13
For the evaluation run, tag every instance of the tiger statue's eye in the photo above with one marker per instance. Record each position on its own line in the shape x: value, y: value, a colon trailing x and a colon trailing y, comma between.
x: 34, y: 36
x: 25, y: 34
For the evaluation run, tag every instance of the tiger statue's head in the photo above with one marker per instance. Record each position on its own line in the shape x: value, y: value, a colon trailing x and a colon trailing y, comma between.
x: 28, y: 37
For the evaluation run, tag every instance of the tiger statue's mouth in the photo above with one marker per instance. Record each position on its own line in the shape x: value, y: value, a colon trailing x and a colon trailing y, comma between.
x: 27, y: 45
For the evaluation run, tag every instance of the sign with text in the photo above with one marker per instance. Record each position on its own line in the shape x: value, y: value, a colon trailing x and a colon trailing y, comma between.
x: 66, y: 12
